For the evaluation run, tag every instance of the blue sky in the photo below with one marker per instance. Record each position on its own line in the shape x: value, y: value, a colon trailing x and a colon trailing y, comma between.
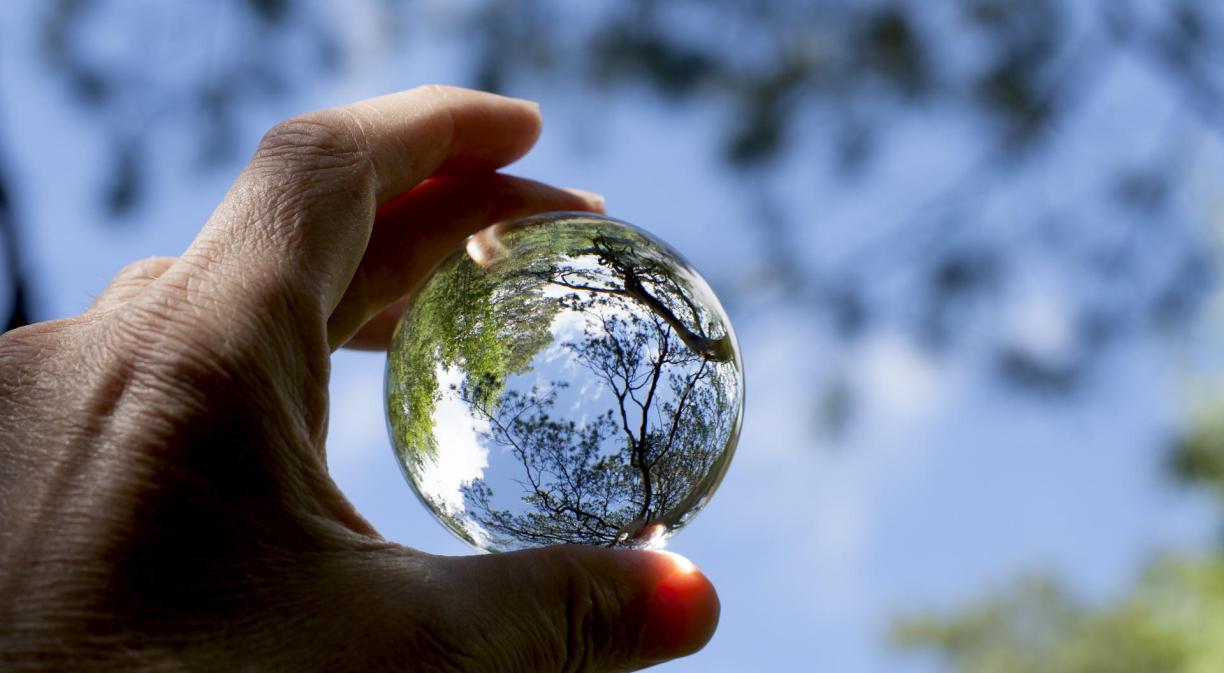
x: 945, y: 486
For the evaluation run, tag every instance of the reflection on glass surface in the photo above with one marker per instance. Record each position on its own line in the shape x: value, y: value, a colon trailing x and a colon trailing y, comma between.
x: 564, y: 379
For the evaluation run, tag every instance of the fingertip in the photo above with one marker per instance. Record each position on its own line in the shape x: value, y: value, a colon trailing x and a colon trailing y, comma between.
x: 521, y: 124
x: 487, y: 130
x: 533, y: 108
x: 594, y: 202
x: 534, y: 123
x: 682, y: 612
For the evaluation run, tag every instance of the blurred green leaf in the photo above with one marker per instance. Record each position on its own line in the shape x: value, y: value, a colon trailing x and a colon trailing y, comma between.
x: 1171, y: 622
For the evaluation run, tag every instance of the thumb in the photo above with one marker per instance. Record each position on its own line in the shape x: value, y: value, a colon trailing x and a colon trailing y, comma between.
x: 574, y: 608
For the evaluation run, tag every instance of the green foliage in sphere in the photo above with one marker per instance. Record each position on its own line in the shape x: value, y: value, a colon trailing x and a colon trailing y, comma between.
x: 565, y: 378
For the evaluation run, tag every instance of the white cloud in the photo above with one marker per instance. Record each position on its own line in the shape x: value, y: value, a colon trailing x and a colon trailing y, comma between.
x: 460, y: 459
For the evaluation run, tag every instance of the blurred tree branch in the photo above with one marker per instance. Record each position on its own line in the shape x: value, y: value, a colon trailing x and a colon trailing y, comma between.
x: 792, y: 78
x: 1019, y: 69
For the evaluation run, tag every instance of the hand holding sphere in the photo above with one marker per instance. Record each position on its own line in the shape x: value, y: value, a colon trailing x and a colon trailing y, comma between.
x: 163, y: 477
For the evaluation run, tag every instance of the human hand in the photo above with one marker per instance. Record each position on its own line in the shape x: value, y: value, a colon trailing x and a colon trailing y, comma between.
x: 164, y: 496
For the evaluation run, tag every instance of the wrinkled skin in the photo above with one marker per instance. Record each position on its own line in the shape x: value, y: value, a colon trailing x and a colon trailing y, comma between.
x: 164, y: 498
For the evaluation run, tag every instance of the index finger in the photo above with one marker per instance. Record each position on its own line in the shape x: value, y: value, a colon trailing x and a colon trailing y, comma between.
x: 409, y: 136
x: 295, y: 226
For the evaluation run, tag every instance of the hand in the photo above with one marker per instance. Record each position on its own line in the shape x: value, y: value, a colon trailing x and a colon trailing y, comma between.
x: 164, y: 498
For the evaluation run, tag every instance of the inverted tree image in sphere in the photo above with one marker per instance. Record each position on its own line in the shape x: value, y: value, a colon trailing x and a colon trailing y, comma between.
x: 564, y: 378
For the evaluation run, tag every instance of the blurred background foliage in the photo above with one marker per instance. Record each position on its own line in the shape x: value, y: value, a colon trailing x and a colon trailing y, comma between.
x: 1171, y: 620
x: 829, y: 80
x: 841, y: 84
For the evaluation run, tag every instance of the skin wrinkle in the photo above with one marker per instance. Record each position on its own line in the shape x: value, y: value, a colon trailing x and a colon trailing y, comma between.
x: 316, y: 410
x: 71, y: 480
x: 361, y: 139
x: 129, y: 282
x: 105, y: 384
x: 578, y: 608
x: 169, y: 311
x: 291, y: 228
x: 21, y: 353
x: 308, y: 143
x: 277, y: 229
x: 360, y: 187
x: 193, y: 362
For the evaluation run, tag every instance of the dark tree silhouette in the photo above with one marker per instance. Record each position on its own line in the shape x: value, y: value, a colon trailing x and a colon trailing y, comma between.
x: 646, y: 460
x: 623, y: 271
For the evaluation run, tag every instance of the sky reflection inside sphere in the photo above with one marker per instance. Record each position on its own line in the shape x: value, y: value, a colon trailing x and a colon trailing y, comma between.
x: 564, y: 378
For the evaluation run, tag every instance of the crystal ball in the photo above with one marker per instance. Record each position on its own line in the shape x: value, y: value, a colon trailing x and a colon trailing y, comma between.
x: 564, y: 378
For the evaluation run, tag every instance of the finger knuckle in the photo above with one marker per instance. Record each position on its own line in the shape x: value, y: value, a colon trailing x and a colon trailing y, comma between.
x: 307, y: 163
x: 193, y: 370
x: 326, y: 139
x: 171, y: 330
x: 186, y: 330
x: 149, y: 268
x: 161, y: 330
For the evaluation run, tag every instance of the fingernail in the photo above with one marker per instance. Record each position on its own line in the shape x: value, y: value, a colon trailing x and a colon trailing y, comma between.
x: 681, y: 615
x: 595, y: 201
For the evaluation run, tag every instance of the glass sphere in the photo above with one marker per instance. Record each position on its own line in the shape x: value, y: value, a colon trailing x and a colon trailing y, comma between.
x: 564, y: 378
